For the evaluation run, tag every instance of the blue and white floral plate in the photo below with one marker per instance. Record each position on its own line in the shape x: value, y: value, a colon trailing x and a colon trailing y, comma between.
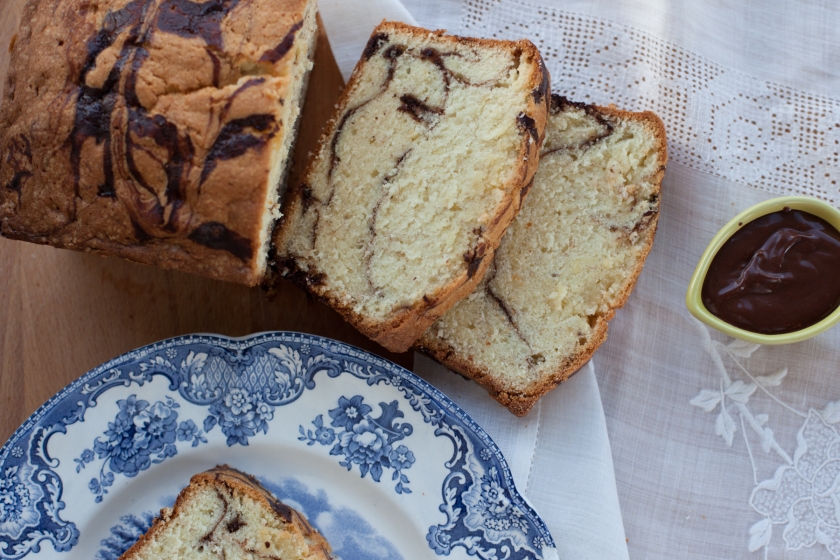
x: 381, y: 462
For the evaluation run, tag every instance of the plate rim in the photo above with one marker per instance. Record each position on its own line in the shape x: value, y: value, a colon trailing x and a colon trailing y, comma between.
x: 337, y: 347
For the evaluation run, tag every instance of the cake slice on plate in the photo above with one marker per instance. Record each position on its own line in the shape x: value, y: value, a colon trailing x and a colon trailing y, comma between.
x: 155, y: 130
x: 224, y: 513
x: 569, y: 260
x: 417, y: 176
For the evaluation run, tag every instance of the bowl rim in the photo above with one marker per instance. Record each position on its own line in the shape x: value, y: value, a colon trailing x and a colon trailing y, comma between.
x: 694, y: 302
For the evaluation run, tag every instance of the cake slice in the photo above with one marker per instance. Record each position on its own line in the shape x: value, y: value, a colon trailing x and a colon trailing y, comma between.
x: 224, y: 513
x: 155, y: 130
x: 569, y: 260
x: 417, y: 175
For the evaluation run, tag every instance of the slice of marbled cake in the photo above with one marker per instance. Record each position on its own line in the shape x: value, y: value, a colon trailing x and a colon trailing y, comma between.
x: 568, y: 261
x: 224, y: 513
x: 418, y: 174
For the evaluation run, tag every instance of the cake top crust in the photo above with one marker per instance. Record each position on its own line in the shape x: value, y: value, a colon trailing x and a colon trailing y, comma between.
x: 147, y: 125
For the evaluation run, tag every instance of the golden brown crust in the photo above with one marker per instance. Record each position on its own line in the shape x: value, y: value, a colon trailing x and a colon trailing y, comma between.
x: 405, y: 326
x: 128, y: 129
x: 520, y: 401
x: 236, y: 481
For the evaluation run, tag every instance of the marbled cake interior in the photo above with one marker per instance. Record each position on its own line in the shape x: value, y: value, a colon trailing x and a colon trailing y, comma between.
x: 156, y: 130
x: 425, y: 152
x: 568, y: 260
x: 226, y: 514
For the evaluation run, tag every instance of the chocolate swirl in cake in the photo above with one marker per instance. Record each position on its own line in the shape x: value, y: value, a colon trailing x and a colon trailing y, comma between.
x: 160, y: 130
x: 102, y: 112
x: 424, y: 164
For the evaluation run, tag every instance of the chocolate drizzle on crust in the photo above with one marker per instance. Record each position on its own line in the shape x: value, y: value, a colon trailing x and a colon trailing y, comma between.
x: 283, y: 46
x: 216, y: 236
x: 237, y: 137
x: 541, y: 91
x: 195, y: 19
x: 140, y: 235
x: 94, y: 106
x: 16, y: 184
x: 19, y: 157
x: 560, y: 104
x: 282, y: 510
x: 374, y: 44
x: 529, y: 125
x: 147, y: 163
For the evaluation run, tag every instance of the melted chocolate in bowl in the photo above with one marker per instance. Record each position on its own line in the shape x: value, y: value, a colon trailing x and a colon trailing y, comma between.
x: 778, y: 274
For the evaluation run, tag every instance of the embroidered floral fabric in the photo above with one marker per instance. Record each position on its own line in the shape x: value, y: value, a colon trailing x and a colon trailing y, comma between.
x: 721, y: 449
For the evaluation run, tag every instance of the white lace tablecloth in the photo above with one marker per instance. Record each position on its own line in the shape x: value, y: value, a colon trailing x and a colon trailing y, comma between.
x: 699, y: 446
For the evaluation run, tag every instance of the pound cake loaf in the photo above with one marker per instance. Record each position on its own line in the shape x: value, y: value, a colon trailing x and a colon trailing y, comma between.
x: 418, y: 174
x: 154, y: 130
x: 568, y: 261
x: 224, y: 513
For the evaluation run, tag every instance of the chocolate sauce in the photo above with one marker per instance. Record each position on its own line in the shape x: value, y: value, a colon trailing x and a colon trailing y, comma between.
x: 778, y: 274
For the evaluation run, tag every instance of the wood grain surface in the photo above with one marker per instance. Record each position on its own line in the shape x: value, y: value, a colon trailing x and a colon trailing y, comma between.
x: 63, y: 313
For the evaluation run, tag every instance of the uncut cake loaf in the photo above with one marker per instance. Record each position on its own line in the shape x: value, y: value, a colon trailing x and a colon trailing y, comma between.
x: 418, y: 174
x: 224, y: 513
x: 569, y: 260
x: 154, y: 130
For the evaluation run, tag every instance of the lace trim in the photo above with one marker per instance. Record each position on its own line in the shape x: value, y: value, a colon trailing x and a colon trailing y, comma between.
x: 719, y: 121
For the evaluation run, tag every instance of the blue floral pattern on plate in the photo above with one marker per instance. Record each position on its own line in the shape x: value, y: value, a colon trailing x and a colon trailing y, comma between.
x: 140, y: 435
x: 240, y: 384
x: 365, y: 441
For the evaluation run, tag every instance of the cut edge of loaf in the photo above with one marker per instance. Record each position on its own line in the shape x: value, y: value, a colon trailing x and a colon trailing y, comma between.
x: 519, y: 401
x: 403, y: 328
x: 282, y: 157
x: 235, y: 481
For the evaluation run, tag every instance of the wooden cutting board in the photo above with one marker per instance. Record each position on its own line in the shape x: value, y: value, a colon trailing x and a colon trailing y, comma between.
x: 63, y: 313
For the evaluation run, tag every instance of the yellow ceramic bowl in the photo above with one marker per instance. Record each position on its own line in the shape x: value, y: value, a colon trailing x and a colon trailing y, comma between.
x: 694, y: 302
